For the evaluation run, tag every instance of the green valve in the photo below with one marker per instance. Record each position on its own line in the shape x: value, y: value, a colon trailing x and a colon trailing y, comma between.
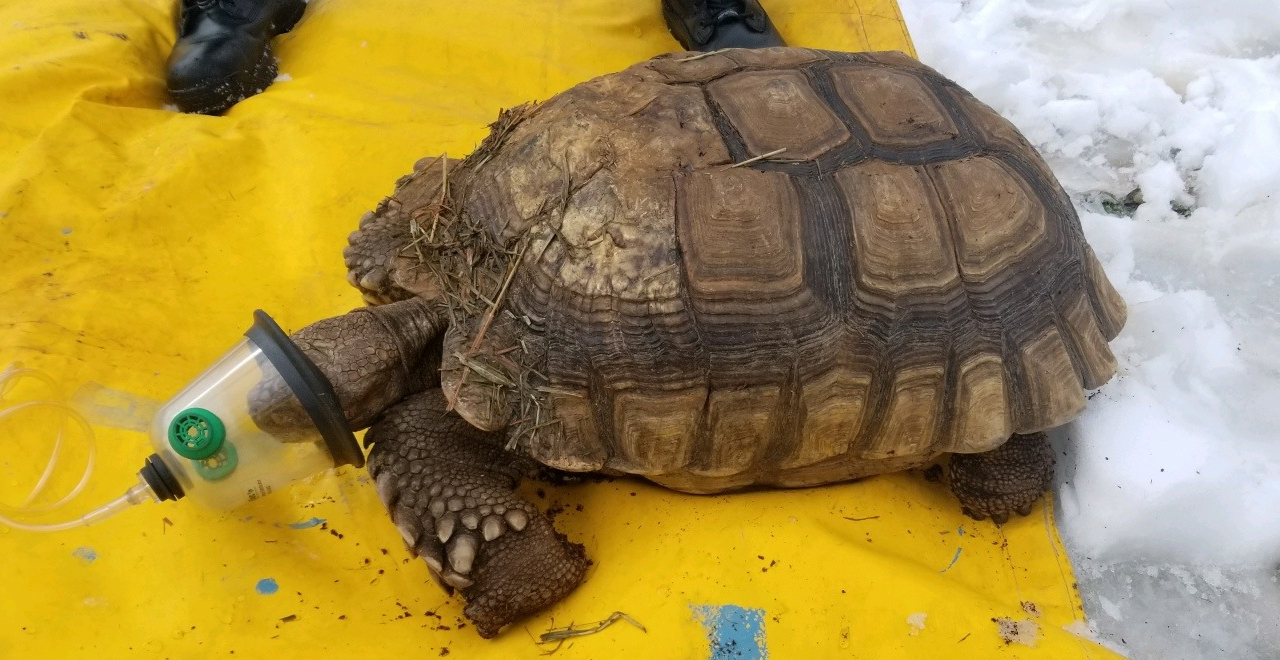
x: 219, y: 465
x: 196, y: 433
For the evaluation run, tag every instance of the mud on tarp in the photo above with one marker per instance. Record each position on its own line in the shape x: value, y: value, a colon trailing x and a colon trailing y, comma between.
x: 134, y: 242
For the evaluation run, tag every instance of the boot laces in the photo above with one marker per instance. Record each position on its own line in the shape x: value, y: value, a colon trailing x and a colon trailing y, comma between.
x: 228, y: 6
x: 717, y: 9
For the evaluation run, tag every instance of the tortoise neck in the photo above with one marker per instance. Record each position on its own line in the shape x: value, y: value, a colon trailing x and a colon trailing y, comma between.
x: 416, y: 327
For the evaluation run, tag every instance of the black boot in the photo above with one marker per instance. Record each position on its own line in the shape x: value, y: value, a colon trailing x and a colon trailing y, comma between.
x: 708, y: 25
x: 223, y: 53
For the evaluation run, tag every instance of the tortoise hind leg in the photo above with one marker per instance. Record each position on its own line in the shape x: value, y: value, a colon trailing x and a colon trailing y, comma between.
x: 450, y: 491
x: 1005, y: 480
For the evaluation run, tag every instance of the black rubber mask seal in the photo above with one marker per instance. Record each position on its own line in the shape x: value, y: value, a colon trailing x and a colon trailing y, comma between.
x: 161, y: 479
x: 309, y: 384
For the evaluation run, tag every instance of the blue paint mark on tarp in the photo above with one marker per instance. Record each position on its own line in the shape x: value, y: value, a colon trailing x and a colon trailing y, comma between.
x: 954, y: 559
x: 734, y: 632
x: 307, y: 523
x: 960, y: 530
x: 267, y: 586
x: 85, y: 554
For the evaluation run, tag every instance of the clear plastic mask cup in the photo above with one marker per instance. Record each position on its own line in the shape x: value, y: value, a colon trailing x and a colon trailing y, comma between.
x: 252, y: 423
x: 229, y: 458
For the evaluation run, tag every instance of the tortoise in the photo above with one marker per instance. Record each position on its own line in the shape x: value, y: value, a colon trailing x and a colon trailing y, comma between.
x: 745, y: 269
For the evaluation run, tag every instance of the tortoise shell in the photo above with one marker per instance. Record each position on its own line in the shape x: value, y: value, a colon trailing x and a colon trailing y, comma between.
x: 770, y: 267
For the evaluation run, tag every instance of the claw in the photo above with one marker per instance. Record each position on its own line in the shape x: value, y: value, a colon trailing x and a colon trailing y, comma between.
x: 374, y: 279
x: 444, y: 527
x: 385, y: 484
x: 430, y: 550
x: 517, y: 519
x: 1024, y: 510
x: 459, y: 581
x: 435, y: 576
x: 409, y: 535
x: 462, y: 552
x: 492, y: 528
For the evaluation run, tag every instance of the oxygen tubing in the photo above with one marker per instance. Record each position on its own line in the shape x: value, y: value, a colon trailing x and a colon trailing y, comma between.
x: 136, y: 494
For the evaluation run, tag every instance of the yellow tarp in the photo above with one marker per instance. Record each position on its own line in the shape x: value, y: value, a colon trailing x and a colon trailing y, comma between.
x: 135, y: 241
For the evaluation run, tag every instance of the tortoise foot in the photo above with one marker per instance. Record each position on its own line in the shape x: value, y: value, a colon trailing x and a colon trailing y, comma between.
x: 450, y: 491
x: 384, y: 258
x: 1004, y: 481
x: 379, y: 258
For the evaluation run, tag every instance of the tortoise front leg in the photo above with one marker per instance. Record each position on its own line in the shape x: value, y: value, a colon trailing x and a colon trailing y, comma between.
x: 1005, y: 480
x: 450, y: 490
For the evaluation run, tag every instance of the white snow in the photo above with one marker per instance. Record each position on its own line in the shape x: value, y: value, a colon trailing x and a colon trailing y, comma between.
x: 1162, y: 120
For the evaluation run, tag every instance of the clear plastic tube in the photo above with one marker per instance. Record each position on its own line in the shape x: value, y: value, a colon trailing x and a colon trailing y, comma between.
x: 136, y: 494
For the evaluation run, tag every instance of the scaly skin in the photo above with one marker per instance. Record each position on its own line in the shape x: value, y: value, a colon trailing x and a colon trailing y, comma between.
x: 1005, y: 480
x: 450, y: 491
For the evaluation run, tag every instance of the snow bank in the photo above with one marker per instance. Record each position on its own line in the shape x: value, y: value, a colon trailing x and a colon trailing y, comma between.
x: 1162, y: 119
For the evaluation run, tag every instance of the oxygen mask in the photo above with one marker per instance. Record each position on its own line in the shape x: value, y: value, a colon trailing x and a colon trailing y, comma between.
x: 258, y: 419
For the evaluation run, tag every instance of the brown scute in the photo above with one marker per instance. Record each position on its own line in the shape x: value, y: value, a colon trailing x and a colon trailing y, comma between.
x: 1055, y: 393
x: 982, y: 189
x: 655, y: 431
x: 1108, y: 306
x: 740, y: 425
x: 902, y: 244
x: 740, y: 234
x: 906, y: 279
x: 915, y: 410
x: 983, y: 422
x: 574, y: 444
x: 1094, y: 355
x: 775, y: 110
x: 773, y: 58
x: 832, y: 408
x: 896, y: 108
x: 683, y: 68
x: 1002, y: 138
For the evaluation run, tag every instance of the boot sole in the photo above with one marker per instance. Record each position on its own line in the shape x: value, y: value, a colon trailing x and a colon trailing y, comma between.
x: 229, y: 91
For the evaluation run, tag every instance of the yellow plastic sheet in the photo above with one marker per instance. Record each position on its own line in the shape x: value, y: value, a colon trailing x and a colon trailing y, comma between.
x: 134, y: 242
